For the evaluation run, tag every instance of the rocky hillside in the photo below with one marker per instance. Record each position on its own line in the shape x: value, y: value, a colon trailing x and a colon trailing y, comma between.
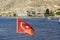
x: 25, y: 4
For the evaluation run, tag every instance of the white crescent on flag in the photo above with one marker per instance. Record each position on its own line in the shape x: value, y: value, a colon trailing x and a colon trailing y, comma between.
x: 21, y: 24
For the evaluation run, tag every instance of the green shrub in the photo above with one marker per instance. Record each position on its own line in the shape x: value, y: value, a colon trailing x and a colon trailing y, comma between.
x: 58, y: 13
x: 14, y: 15
x: 51, y: 14
x: 47, y: 15
x: 0, y: 15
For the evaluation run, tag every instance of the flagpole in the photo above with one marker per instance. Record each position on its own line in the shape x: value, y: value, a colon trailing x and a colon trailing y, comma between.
x: 17, y: 26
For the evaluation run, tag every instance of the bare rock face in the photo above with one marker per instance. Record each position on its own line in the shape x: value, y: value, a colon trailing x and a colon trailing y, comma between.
x: 23, y: 4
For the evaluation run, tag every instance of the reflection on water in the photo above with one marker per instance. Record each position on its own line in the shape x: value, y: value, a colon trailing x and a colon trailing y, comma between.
x: 44, y: 29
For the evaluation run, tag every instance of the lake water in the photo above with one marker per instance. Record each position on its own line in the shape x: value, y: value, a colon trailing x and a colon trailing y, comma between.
x: 44, y: 29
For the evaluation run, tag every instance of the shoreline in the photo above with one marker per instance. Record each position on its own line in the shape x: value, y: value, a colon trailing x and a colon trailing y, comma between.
x: 26, y: 17
x: 20, y: 17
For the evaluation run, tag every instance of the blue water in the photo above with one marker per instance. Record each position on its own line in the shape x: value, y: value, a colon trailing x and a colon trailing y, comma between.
x: 44, y: 29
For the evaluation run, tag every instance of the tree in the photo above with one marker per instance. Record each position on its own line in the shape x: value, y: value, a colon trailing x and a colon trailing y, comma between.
x: 47, y: 11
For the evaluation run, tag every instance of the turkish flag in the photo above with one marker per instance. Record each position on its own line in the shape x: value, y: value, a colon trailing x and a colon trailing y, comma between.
x: 24, y: 28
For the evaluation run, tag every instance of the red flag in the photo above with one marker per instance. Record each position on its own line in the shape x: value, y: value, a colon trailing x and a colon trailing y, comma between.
x: 24, y: 28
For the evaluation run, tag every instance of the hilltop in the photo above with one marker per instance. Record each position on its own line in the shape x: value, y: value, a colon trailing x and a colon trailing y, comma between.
x: 21, y: 6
